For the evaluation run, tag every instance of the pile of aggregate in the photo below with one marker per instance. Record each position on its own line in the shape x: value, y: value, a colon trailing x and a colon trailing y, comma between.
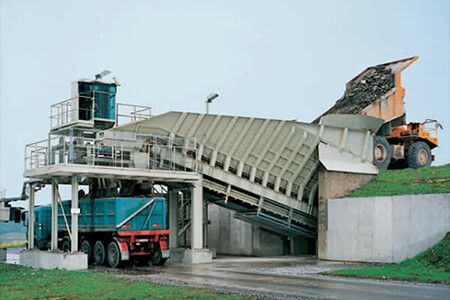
x: 363, y: 91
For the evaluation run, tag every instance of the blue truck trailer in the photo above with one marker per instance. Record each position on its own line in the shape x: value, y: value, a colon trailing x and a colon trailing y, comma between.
x: 112, y: 230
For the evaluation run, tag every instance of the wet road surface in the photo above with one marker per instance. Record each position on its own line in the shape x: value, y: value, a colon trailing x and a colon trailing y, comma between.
x: 276, y: 277
x: 230, y: 273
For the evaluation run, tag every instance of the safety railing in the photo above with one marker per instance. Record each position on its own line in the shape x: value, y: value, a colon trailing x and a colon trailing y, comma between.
x: 81, y: 109
x: 431, y: 128
x: 36, y: 155
x: 63, y: 113
x: 147, y: 152
x: 128, y: 113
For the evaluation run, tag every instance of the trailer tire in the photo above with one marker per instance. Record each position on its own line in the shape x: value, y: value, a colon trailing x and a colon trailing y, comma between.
x: 381, y: 152
x: 66, y: 246
x: 419, y: 155
x: 99, y: 253
x: 86, y: 248
x: 156, y: 258
x: 113, y: 254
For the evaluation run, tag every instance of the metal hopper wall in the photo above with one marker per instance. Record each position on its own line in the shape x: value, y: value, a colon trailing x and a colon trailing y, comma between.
x: 258, y: 165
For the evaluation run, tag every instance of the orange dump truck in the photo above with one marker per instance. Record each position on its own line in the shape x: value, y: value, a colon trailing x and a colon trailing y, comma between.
x: 377, y: 92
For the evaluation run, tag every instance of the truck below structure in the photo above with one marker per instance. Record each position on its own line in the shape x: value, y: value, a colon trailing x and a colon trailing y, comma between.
x: 112, y: 230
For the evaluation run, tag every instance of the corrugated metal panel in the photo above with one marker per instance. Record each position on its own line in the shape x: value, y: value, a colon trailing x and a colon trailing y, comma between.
x: 272, y: 152
x: 250, y: 160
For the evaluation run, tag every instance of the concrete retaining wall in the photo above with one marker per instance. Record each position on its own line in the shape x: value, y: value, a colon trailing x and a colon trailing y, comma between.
x: 231, y: 236
x: 54, y: 260
x: 384, y: 229
x: 334, y: 185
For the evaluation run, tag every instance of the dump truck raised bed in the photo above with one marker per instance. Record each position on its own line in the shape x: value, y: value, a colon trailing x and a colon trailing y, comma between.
x: 112, y: 230
x: 377, y: 92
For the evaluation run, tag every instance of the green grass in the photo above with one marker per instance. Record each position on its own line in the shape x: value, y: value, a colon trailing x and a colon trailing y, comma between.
x: 431, y: 266
x: 13, y: 245
x: 18, y: 282
x: 431, y: 180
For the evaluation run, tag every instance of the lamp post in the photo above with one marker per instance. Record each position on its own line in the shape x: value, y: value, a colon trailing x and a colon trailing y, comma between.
x: 209, y: 100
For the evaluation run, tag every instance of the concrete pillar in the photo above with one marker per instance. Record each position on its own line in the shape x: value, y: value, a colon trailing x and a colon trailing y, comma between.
x: 173, y: 219
x: 31, y: 218
x: 74, y: 214
x: 291, y: 245
x: 197, y: 215
x: 54, y: 227
x: 256, y: 240
x: 205, y: 225
x: 333, y: 185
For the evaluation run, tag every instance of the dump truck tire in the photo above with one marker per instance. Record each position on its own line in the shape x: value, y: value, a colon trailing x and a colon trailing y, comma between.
x: 113, y: 254
x: 66, y: 246
x: 419, y: 155
x: 157, y: 259
x: 87, y: 249
x: 381, y: 152
x: 99, y: 253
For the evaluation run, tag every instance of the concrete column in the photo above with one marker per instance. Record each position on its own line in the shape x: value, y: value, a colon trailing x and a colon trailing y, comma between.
x: 291, y: 245
x: 74, y: 214
x: 31, y: 219
x: 333, y: 185
x: 54, y: 227
x: 205, y: 225
x: 197, y: 215
x: 173, y: 219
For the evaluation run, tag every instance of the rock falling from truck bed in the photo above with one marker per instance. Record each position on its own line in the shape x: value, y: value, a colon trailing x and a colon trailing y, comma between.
x: 365, y: 89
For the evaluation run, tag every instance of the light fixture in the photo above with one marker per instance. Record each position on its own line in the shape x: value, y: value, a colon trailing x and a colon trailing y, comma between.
x: 209, y: 100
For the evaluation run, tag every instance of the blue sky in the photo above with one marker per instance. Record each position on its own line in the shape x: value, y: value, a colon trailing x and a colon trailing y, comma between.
x: 273, y: 59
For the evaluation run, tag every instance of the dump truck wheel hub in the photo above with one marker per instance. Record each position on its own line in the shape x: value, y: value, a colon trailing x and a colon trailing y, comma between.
x: 422, y: 156
x: 380, y: 153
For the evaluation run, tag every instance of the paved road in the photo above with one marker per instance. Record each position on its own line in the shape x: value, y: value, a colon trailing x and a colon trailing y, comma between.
x: 239, y: 273
x: 255, y: 275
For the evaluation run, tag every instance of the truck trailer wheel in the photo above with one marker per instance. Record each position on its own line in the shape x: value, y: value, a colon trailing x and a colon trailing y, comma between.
x: 66, y: 246
x: 381, y: 152
x: 157, y: 259
x: 419, y: 155
x: 113, y: 254
x: 99, y: 253
x: 87, y: 248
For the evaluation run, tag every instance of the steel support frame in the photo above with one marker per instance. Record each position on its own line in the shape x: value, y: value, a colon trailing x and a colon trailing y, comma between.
x: 31, y: 218
x: 54, y: 218
x: 173, y: 218
x: 74, y: 214
x: 197, y: 216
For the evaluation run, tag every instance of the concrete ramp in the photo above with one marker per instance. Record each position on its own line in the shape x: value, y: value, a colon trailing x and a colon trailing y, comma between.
x: 265, y: 169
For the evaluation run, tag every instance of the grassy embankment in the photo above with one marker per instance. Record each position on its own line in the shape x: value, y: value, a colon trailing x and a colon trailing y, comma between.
x: 431, y: 266
x: 14, y: 245
x: 18, y: 282
x: 406, y: 182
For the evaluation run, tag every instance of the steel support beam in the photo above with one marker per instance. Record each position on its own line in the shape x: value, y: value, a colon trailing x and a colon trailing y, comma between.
x: 31, y: 218
x: 173, y: 219
x: 74, y: 214
x: 205, y: 224
x: 291, y: 245
x: 54, y: 227
x: 197, y: 215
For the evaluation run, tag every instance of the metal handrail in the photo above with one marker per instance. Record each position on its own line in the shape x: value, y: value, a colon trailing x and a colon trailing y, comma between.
x: 64, y: 113
x: 151, y: 154
x: 137, y: 113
